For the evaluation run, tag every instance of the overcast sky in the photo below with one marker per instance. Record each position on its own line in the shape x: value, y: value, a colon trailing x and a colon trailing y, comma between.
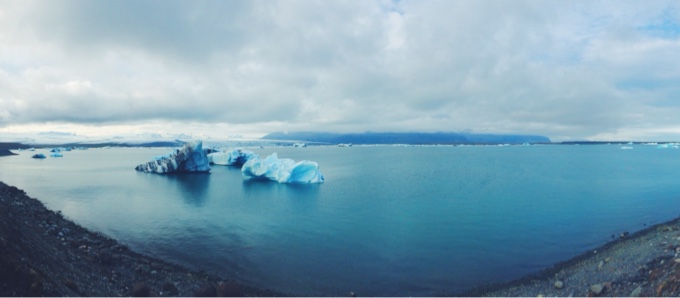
x: 599, y: 70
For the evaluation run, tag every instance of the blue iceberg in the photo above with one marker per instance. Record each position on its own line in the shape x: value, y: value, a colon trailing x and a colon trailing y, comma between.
x: 191, y: 158
x: 39, y: 156
x: 57, y: 154
x: 235, y: 157
x: 282, y: 170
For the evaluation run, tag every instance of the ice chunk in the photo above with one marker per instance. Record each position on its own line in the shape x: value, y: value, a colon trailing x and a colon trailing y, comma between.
x: 235, y: 157
x: 39, y: 156
x: 60, y: 149
x: 282, y: 170
x: 191, y: 158
x: 57, y: 154
x: 211, y: 150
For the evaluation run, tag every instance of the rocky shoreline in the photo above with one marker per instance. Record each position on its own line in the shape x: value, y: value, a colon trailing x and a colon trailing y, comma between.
x: 643, y: 264
x: 44, y: 254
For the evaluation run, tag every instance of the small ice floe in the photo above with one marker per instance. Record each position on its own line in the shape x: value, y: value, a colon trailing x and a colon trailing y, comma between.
x: 56, y: 154
x: 39, y: 156
x: 626, y: 147
x: 282, y: 170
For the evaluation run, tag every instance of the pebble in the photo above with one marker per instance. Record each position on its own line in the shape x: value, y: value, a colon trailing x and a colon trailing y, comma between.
x: 677, y: 260
x: 140, y: 289
x: 71, y: 285
x: 596, y: 289
x: 170, y: 289
x: 600, y: 264
x: 559, y: 284
x: 206, y: 291
x: 230, y: 289
x: 636, y: 292
x: 105, y: 257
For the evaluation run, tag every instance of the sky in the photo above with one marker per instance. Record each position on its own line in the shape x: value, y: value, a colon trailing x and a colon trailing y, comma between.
x: 569, y: 70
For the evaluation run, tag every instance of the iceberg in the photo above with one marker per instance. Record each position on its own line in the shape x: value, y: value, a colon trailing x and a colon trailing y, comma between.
x: 211, y: 150
x: 191, y: 158
x: 39, y: 156
x: 57, y: 154
x: 235, y: 157
x: 282, y: 170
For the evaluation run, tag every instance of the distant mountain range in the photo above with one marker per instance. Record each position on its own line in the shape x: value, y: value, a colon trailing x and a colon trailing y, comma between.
x: 280, y: 138
x: 413, y: 138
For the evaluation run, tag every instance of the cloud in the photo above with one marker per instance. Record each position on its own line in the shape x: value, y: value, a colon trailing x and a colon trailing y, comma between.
x: 568, y: 70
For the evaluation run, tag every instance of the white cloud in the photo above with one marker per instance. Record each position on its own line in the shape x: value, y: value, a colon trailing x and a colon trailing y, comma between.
x: 569, y: 70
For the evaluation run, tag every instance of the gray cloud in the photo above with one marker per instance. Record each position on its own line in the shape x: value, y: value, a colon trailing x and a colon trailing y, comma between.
x: 567, y: 70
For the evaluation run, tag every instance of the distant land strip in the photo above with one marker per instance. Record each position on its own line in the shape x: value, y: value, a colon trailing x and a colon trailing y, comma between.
x: 412, y: 138
x: 14, y: 145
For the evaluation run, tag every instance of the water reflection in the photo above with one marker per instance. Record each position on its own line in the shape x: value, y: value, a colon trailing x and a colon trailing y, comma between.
x: 192, y: 186
x: 307, y: 191
x: 257, y: 187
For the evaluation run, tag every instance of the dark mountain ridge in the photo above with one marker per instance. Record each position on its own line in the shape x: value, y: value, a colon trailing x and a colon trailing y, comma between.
x: 413, y: 138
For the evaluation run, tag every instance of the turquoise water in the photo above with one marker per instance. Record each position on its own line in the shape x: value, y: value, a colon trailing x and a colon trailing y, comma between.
x: 402, y: 221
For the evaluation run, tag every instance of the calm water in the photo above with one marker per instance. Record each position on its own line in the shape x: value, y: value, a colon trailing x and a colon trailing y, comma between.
x: 387, y: 221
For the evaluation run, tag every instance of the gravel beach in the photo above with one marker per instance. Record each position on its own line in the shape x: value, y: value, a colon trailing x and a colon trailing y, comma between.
x: 643, y: 264
x: 44, y: 254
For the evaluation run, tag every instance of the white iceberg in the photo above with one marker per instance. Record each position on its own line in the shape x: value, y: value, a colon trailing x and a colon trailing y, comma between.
x: 282, y: 170
x: 235, y: 157
x: 191, y: 158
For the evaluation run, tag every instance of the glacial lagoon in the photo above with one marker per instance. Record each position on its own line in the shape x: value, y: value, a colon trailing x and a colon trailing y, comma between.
x: 388, y: 220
